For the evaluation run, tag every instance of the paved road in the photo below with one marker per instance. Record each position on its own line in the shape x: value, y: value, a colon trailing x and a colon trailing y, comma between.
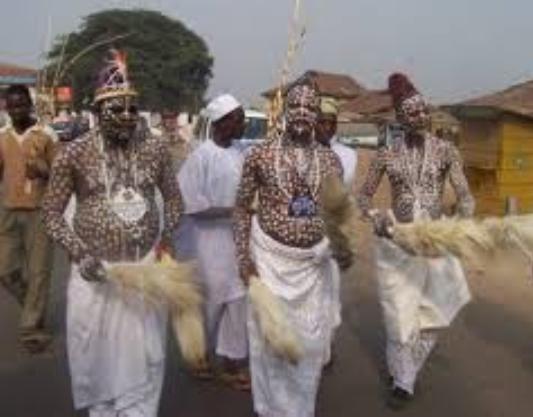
x: 483, y: 367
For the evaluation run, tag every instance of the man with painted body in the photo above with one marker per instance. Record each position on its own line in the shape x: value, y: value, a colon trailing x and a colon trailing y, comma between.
x: 326, y: 134
x: 116, y: 342
x: 419, y: 297
x: 283, y: 243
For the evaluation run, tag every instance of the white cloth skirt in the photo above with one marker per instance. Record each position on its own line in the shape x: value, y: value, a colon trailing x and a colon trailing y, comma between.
x: 419, y: 297
x: 116, y: 345
x: 303, y: 280
x: 418, y: 293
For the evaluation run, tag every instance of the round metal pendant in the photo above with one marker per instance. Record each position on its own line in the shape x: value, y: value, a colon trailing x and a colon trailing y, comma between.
x: 129, y: 205
x: 302, y: 206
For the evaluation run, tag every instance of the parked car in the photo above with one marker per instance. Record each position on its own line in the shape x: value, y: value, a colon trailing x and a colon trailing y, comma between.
x: 68, y: 130
x: 64, y: 130
x: 255, y: 131
x: 368, y: 142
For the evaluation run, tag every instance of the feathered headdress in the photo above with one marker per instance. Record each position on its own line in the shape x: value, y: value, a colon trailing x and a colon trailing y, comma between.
x: 401, y: 89
x: 113, y: 80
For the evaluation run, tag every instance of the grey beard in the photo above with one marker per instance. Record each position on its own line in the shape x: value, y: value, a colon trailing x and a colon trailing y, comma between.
x: 118, y: 137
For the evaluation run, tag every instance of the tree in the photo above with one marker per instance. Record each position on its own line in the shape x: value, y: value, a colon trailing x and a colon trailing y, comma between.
x: 168, y: 64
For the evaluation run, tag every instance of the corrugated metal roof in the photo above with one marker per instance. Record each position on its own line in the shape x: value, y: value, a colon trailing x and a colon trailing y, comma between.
x: 370, y: 103
x: 517, y: 99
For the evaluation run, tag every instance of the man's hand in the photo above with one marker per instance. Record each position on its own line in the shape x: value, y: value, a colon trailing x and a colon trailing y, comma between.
x: 383, y: 224
x: 36, y: 168
x: 344, y: 258
x: 247, y: 270
x: 92, y: 269
x: 164, y: 248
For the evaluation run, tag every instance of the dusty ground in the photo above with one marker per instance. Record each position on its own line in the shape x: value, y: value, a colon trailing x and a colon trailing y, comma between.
x: 483, y: 366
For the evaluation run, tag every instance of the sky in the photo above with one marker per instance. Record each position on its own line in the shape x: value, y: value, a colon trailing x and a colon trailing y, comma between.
x: 452, y: 49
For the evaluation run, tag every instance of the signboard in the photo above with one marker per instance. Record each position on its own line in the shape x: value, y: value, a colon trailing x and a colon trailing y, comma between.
x: 63, y: 94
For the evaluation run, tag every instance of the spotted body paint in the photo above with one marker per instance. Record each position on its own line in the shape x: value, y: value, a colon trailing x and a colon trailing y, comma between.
x: 275, y: 189
x: 399, y: 161
x: 98, y: 231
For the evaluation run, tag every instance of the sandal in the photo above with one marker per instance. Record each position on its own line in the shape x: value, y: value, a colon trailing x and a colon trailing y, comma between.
x: 205, y: 373
x: 36, y: 343
x: 239, y: 380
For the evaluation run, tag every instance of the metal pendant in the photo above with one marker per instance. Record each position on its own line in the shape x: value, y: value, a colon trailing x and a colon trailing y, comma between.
x: 129, y: 205
x: 302, y: 206
x: 419, y: 213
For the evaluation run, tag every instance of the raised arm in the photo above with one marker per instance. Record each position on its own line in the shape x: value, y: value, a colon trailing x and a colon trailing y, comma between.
x: 58, y: 194
x: 243, y: 215
x: 371, y: 184
x: 465, y: 202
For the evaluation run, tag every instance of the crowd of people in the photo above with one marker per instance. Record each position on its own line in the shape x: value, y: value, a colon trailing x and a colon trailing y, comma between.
x: 241, y: 215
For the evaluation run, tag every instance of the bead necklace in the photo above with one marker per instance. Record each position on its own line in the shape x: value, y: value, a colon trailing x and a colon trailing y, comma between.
x: 416, y: 170
x: 127, y: 203
x: 306, y: 169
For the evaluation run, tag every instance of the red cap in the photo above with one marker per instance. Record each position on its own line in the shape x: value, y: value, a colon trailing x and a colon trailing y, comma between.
x: 400, y: 89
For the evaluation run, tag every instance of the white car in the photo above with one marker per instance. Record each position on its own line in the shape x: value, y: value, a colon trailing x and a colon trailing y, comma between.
x: 255, y: 131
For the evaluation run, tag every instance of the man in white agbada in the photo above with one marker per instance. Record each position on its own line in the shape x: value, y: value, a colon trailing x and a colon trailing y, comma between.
x: 116, y: 340
x: 209, y: 180
x: 283, y: 243
x: 419, y: 296
x: 326, y: 134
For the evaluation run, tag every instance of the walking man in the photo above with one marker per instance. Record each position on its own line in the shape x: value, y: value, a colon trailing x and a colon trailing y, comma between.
x: 26, y: 153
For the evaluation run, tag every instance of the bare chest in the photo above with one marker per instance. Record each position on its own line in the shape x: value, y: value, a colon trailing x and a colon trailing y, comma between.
x: 95, y: 174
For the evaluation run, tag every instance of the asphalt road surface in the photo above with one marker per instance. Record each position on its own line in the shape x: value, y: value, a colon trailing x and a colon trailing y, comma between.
x: 483, y: 366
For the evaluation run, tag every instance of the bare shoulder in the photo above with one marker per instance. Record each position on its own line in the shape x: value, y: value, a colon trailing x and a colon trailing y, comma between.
x: 155, y: 147
x: 440, y: 143
x: 71, y: 152
x: 446, y: 149
x: 260, y: 153
x: 330, y: 158
x: 327, y: 153
x: 263, y: 149
x: 155, y: 142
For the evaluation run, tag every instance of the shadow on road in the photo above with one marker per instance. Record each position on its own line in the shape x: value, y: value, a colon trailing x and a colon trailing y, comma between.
x: 495, y: 323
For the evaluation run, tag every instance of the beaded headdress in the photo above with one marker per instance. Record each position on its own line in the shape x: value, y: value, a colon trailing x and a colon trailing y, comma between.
x: 113, y: 80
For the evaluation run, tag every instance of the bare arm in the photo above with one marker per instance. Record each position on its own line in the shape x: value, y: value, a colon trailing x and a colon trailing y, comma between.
x: 58, y: 194
x: 243, y: 216
x: 371, y: 184
x: 466, y: 203
x: 172, y: 200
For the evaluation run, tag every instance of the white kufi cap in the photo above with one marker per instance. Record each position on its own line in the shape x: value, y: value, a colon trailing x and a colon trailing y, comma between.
x: 221, y: 106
